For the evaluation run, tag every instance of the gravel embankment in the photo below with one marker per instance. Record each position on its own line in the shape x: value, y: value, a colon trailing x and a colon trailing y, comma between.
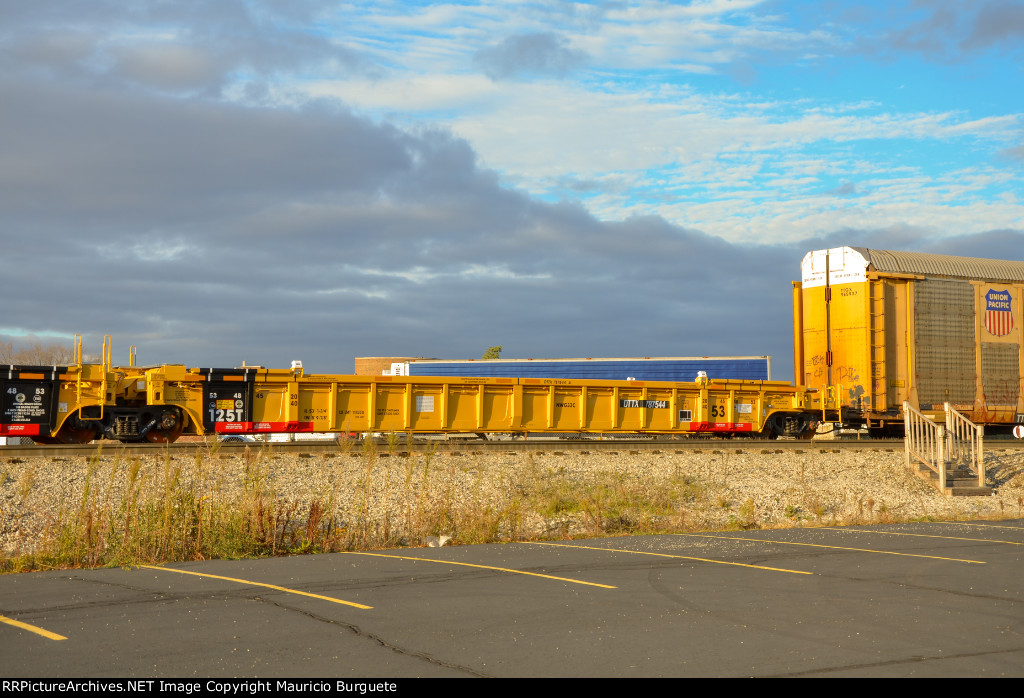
x: 525, y: 495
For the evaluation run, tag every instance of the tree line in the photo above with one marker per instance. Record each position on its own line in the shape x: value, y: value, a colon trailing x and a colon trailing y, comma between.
x: 36, y: 354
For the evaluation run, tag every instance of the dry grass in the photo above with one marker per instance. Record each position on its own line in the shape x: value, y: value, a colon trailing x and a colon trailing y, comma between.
x: 121, y: 511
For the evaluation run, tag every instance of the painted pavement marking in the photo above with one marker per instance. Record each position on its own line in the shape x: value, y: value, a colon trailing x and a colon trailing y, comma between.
x: 259, y: 584
x: 833, y: 547
x: 486, y: 567
x: 31, y: 628
x: 922, y: 535
x: 680, y: 557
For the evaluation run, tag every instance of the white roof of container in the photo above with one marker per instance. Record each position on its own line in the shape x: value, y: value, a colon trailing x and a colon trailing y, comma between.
x: 851, y: 264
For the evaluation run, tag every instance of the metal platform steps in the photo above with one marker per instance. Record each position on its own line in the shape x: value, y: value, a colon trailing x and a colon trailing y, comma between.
x: 950, y: 456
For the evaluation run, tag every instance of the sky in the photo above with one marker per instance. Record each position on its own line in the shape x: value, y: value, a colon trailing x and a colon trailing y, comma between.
x: 263, y: 181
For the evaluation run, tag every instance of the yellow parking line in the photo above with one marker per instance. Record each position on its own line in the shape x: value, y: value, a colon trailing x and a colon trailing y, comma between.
x: 487, y: 567
x: 922, y: 535
x: 258, y: 584
x: 833, y: 547
x: 979, y: 525
x: 680, y: 557
x: 31, y: 628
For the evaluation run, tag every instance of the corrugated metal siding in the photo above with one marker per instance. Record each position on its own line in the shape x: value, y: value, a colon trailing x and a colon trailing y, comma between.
x: 944, y: 330
x: 1000, y: 373
x: 943, y: 265
x: 682, y: 370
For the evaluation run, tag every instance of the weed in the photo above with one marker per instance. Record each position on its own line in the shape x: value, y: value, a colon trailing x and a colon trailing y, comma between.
x: 127, y: 510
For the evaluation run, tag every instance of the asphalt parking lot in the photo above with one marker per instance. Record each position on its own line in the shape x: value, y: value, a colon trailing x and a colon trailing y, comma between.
x: 921, y: 599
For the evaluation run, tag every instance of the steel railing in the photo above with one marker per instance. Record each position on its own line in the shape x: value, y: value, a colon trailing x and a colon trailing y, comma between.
x: 965, y: 443
x: 958, y: 443
x: 924, y: 443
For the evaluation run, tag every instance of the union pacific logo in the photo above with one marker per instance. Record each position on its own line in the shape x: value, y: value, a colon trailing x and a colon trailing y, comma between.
x: 998, y: 312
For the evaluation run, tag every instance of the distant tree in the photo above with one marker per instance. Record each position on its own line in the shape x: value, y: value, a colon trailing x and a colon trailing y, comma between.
x: 37, y: 354
x: 493, y: 352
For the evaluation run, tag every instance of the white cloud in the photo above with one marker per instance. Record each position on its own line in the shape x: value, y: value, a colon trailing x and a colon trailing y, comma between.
x: 348, y: 171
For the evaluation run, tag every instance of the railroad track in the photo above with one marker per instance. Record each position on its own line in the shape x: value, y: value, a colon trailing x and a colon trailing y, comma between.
x: 472, y: 446
x: 463, y: 446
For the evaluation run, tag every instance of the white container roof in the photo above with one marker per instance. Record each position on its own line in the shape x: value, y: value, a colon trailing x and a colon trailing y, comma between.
x: 851, y: 264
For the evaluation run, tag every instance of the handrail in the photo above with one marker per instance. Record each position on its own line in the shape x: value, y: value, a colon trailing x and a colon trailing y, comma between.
x: 958, y: 442
x: 966, y: 447
x: 924, y: 442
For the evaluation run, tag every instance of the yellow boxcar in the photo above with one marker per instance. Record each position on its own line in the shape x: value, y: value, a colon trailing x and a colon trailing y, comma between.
x: 877, y: 327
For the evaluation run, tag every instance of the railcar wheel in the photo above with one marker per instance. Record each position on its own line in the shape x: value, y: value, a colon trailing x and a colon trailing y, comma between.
x: 68, y: 435
x: 168, y: 428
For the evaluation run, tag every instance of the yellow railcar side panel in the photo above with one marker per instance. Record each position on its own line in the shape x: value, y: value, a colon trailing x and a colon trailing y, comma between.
x: 462, y: 407
x: 390, y: 409
x: 850, y: 335
x: 353, y: 407
x: 325, y: 403
x: 598, y: 412
x: 659, y: 411
x: 814, y: 338
x: 846, y: 319
x: 746, y: 407
x: 314, y: 407
x: 565, y: 409
x: 270, y: 404
x: 535, y: 408
x: 629, y: 416
x: 427, y: 408
x: 498, y: 407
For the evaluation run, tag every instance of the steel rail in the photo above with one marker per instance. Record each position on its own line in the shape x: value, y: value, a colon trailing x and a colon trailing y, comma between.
x: 357, y: 447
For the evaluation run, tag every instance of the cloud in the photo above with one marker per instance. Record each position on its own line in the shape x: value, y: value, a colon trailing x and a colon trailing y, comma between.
x: 207, y: 233
x: 169, y: 179
x: 188, y: 47
x: 172, y: 66
x: 1015, y: 153
x: 949, y: 29
x: 844, y: 189
x: 543, y: 53
x: 997, y: 24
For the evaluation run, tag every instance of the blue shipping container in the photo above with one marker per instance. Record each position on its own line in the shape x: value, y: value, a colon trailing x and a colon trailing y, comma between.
x: 682, y: 369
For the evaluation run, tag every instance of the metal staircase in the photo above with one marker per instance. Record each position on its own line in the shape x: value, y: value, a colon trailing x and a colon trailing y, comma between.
x: 950, y: 456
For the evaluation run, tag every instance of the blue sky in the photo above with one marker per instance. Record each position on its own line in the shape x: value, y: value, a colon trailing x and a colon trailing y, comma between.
x: 261, y: 181
x: 743, y: 119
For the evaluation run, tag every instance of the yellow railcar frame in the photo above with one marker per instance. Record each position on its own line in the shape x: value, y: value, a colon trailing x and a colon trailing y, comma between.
x: 282, y: 400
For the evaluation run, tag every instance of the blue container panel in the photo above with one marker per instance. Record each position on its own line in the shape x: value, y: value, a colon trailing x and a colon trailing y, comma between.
x: 640, y: 369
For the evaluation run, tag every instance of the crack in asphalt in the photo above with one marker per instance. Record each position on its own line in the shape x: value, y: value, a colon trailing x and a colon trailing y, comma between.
x: 891, y: 662
x: 153, y: 596
x: 359, y: 632
x: 924, y: 587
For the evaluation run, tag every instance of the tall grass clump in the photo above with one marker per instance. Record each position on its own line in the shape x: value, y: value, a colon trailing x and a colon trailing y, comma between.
x: 614, y: 502
x: 176, y: 509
